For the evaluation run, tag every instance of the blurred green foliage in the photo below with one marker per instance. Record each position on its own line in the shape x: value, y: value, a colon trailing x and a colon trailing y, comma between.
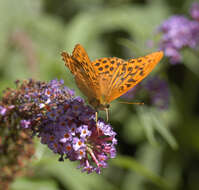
x: 156, y: 149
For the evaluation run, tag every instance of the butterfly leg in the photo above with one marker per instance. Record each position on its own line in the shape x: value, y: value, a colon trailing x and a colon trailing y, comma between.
x: 107, y: 114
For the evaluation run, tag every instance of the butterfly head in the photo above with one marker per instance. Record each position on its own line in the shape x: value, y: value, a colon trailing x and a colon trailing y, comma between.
x: 99, y: 105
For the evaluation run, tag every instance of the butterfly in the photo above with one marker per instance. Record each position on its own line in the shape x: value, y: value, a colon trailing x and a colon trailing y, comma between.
x: 106, y: 79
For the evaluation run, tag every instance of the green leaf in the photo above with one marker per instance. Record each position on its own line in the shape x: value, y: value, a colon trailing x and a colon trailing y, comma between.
x: 30, y: 184
x: 152, y: 120
x: 160, y: 126
x: 147, y: 124
x: 69, y: 176
x: 190, y: 60
x: 130, y: 163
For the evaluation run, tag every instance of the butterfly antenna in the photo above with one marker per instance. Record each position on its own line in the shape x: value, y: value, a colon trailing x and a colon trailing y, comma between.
x: 107, y: 114
x: 138, y: 103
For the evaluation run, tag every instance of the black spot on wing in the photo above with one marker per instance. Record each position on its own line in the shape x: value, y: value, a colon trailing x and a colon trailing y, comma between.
x: 141, y: 73
x: 131, y: 80
x: 111, y: 68
x: 100, y: 68
x: 130, y: 69
x: 128, y: 85
x: 121, y: 88
x: 97, y: 64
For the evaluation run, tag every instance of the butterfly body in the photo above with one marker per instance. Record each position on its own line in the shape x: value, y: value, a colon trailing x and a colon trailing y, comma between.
x: 106, y: 79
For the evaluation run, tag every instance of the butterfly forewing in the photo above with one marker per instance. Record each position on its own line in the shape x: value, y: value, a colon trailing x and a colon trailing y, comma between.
x: 131, y: 73
x: 86, y: 86
x: 69, y: 62
x: 79, y: 54
x: 85, y: 76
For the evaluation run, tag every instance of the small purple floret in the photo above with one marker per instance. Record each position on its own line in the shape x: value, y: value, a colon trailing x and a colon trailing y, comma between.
x: 2, y: 110
x: 25, y: 123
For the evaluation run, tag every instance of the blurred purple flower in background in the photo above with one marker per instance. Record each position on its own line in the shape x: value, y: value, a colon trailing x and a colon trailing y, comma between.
x: 178, y: 32
x: 157, y: 91
x: 131, y: 93
x: 62, y: 121
x: 194, y: 12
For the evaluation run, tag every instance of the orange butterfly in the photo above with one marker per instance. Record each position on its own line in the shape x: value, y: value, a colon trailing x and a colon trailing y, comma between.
x: 106, y: 79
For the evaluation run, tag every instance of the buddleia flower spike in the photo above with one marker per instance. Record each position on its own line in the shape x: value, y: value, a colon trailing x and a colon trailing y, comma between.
x: 61, y: 120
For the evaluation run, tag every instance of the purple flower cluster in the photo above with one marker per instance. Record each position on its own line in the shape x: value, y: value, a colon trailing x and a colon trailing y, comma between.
x: 63, y: 122
x: 155, y: 89
x: 79, y: 139
x: 16, y: 144
x: 35, y: 99
x: 180, y: 32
